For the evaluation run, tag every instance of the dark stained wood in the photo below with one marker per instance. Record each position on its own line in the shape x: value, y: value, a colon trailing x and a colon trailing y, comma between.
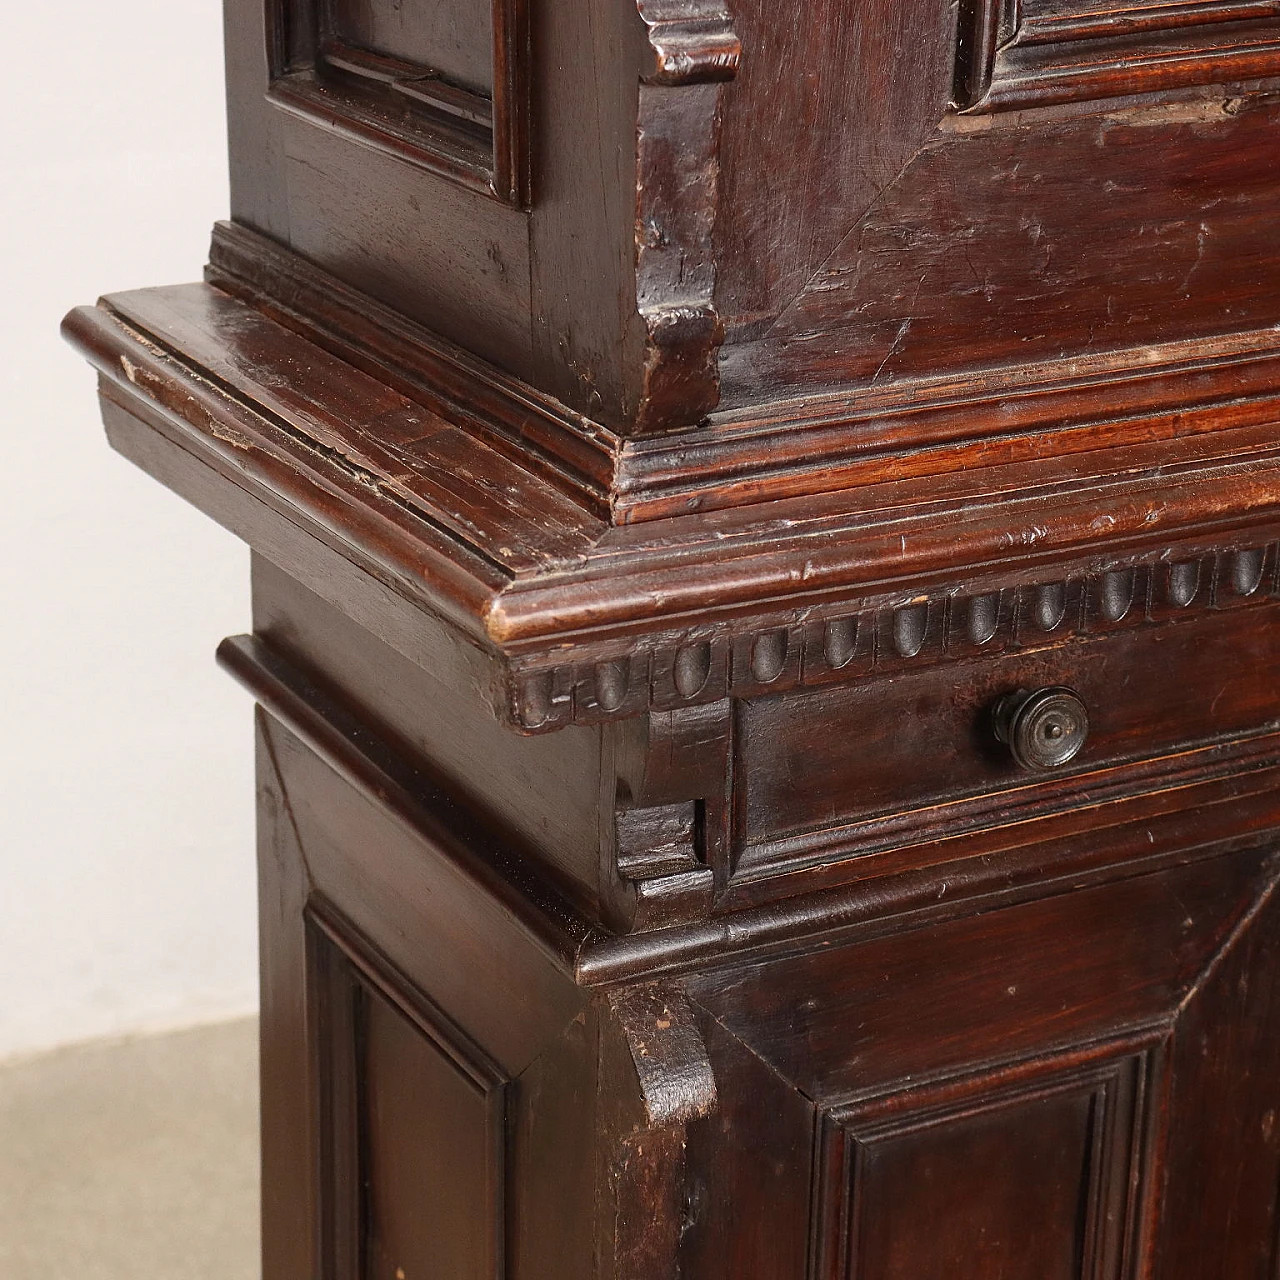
x: 292, y: 1178
x: 681, y: 449
x: 757, y: 1147
x: 409, y: 1102
x: 1020, y: 243
x: 289, y: 181
x: 454, y: 39
x: 1222, y: 1222
x: 935, y: 425
x: 1063, y: 52
x: 915, y: 748
x: 553, y: 794
x: 841, y: 139
x: 1054, y: 1165
x: 992, y: 988
x: 547, y: 556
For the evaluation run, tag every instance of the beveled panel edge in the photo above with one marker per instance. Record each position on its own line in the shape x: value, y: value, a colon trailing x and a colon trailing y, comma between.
x: 1126, y: 49
x: 331, y: 938
x: 497, y: 166
x: 376, y: 970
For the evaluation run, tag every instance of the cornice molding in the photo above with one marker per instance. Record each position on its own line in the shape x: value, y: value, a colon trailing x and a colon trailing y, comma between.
x: 584, y: 621
x: 1064, y: 411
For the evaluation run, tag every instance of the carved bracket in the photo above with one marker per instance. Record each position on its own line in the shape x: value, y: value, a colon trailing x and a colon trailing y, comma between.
x: 677, y: 1085
x: 664, y: 1083
x: 671, y: 813
x: 692, y: 42
x: 694, y: 50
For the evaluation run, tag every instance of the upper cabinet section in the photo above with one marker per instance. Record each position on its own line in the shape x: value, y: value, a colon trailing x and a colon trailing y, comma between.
x: 1007, y: 193
x: 442, y: 83
x: 731, y: 250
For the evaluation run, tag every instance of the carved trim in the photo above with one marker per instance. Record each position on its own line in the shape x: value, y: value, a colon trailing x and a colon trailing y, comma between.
x: 1028, y: 54
x: 671, y: 822
x: 511, y: 416
x: 660, y: 859
x: 657, y: 1082
x: 867, y: 638
x: 832, y: 442
x: 662, y: 1036
x: 693, y: 41
x: 694, y: 50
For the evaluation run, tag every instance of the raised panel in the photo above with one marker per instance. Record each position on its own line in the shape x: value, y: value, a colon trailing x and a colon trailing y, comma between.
x: 1021, y: 53
x: 412, y: 1125
x: 1033, y: 1173
x: 941, y: 998
x: 442, y: 85
x: 452, y: 37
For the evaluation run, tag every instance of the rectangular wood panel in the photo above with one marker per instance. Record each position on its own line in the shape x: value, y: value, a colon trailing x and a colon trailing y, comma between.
x: 1034, y: 1173
x: 413, y: 1123
x: 444, y: 85
x: 837, y: 771
x: 452, y: 37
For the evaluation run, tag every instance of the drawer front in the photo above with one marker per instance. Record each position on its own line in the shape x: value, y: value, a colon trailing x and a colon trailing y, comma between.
x: 867, y: 767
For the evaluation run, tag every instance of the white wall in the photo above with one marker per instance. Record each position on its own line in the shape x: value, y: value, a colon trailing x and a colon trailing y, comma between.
x: 126, y: 878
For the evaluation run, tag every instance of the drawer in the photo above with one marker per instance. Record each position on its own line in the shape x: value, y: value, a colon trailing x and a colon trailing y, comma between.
x: 910, y: 756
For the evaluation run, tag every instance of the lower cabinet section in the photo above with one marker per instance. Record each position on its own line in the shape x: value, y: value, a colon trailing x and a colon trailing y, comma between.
x: 1079, y: 1085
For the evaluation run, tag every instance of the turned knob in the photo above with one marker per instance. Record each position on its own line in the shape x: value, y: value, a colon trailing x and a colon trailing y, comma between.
x: 1043, y: 728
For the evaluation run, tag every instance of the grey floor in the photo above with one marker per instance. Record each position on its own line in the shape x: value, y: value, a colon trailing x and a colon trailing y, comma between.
x: 132, y: 1161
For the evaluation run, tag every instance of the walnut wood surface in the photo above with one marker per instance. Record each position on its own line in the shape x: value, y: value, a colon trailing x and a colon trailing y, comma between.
x: 514, y: 559
x: 667, y: 433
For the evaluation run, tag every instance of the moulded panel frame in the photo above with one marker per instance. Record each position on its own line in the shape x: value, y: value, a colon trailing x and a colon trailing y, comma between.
x: 1016, y: 54
x: 447, y: 135
x: 1122, y: 1081
x: 345, y: 973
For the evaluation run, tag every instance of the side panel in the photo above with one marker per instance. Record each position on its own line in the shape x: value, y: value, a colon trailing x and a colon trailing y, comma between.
x: 546, y: 791
x: 452, y: 258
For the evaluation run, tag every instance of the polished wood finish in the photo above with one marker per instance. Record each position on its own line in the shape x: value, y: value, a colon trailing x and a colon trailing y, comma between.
x: 766, y: 577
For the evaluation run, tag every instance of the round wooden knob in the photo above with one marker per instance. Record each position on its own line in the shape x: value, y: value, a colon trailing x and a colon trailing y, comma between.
x: 1043, y: 728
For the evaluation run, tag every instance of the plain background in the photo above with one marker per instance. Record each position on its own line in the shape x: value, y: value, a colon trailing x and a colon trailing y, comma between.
x: 126, y: 874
